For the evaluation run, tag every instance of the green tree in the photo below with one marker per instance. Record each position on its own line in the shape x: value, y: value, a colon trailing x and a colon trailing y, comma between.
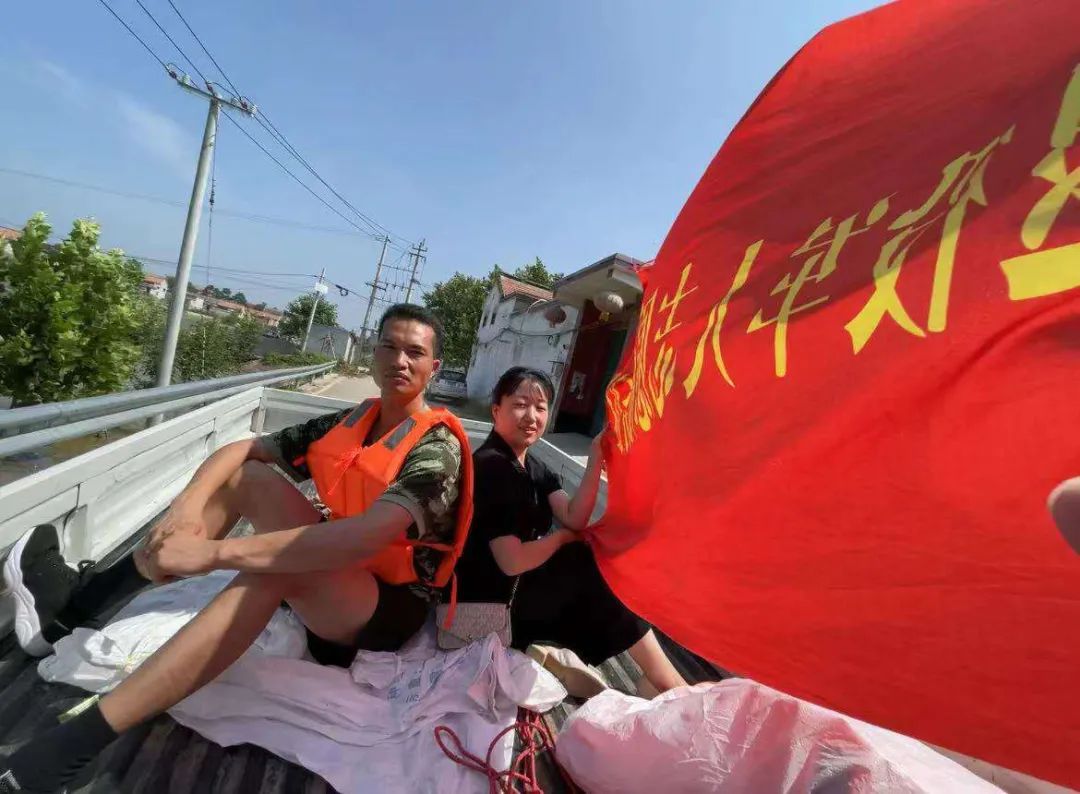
x: 208, y: 347
x: 239, y: 297
x: 537, y: 273
x: 225, y: 293
x: 67, y: 315
x: 458, y: 302
x: 295, y: 319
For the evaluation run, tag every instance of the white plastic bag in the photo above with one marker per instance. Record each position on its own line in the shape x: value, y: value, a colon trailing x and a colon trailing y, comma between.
x: 741, y: 736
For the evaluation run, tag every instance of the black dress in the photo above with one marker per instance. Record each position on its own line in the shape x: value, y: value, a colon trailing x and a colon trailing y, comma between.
x: 565, y: 601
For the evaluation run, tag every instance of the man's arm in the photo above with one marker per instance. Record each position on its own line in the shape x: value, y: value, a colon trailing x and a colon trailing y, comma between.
x: 317, y: 547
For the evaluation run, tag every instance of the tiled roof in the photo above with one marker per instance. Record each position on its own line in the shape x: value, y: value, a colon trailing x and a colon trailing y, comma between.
x: 9, y: 234
x: 224, y: 304
x: 511, y: 286
x: 151, y: 278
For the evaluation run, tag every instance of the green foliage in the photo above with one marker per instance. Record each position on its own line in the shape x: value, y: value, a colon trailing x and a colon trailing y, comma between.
x: 240, y: 297
x: 296, y: 316
x: 289, y: 360
x: 68, y: 315
x: 458, y: 302
x: 537, y: 273
x: 208, y: 347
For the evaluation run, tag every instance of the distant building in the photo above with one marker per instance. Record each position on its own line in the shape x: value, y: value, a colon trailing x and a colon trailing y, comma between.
x: 154, y: 286
x: 271, y: 318
x: 223, y: 308
x: 7, y: 237
x: 333, y: 341
x: 607, y: 295
x: 521, y: 324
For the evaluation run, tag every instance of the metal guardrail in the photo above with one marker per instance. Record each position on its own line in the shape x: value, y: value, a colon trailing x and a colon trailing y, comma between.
x: 75, y: 418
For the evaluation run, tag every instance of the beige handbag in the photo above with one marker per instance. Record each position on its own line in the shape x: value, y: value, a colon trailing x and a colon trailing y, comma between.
x: 475, y: 621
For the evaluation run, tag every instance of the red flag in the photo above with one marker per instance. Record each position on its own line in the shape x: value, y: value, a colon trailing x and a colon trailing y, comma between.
x: 856, y: 378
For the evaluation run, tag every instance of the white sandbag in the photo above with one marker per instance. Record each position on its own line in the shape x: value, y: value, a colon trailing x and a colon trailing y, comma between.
x: 368, y: 729
x: 741, y: 736
x: 99, y: 660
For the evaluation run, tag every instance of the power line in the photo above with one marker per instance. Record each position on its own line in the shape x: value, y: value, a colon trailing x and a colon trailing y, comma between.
x: 281, y: 139
x: 127, y: 27
x: 171, y: 41
x: 299, y: 181
x: 278, y: 136
x: 213, y: 60
x: 275, y: 133
x: 254, y: 217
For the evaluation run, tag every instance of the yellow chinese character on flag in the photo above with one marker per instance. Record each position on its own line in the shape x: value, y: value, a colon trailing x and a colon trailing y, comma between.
x: 1055, y: 269
x: 711, y: 334
x: 824, y: 250
x: 961, y: 185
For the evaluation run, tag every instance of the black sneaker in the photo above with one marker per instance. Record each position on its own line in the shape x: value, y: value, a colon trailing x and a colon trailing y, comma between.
x: 9, y: 785
x: 41, y: 582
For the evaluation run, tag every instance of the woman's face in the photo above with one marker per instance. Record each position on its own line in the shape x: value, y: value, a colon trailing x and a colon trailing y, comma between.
x: 521, y: 417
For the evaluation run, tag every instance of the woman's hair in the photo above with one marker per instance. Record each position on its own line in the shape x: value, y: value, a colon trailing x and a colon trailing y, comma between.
x: 515, y: 376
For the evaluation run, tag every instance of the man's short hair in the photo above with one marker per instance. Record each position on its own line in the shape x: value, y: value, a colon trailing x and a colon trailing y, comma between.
x: 410, y: 311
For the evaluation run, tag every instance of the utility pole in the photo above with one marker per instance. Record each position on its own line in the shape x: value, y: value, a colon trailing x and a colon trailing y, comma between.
x: 320, y: 289
x: 375, y: 287
x: 191, y: 228
x: 417, y: 252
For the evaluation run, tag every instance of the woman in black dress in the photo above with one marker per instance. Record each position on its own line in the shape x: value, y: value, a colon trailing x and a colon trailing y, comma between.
x: 561, y: 596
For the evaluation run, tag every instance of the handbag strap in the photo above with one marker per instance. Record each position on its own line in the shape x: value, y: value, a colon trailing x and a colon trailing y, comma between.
x: 513, y: 591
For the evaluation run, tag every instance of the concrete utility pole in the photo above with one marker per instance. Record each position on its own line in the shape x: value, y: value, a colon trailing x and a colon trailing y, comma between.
x: 375, y: 287
x: 191, y: 228
x: 320, y: 290
x: 417, y: 253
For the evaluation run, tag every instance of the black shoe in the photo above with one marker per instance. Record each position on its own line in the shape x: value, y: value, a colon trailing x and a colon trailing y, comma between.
x: 42, y: 583
x: 50, y: 761
x: 9, y: 785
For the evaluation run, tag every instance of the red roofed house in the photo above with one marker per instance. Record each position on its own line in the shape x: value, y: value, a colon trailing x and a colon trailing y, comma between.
x: 220, y: 306
x: 155, y: 286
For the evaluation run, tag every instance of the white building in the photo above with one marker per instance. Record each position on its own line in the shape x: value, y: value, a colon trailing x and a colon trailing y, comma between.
x: 155, y: 286
x: 521, y: 325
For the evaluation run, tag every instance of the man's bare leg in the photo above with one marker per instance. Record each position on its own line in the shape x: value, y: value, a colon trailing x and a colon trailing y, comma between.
x: 255, y: 492
x: 333, y: 605
x: 655, y: 664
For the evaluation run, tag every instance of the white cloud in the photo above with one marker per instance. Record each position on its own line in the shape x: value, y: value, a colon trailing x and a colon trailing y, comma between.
x: 157, y: 134
x: 154, y: 133
x: 55, y: 76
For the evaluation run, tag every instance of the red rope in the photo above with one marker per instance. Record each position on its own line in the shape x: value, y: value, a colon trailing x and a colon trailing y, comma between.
x: 535, y: 739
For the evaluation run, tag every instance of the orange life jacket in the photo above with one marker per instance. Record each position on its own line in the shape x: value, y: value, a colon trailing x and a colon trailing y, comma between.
x: 350, y: 477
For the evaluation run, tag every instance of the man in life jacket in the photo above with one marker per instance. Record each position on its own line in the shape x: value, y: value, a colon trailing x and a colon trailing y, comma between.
x: 395, y: 478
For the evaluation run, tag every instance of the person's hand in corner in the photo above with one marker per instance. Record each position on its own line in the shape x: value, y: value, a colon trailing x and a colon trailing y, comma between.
x: 1064, y: 506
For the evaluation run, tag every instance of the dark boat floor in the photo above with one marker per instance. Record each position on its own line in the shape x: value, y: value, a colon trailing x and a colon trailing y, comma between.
x: 163, y: 756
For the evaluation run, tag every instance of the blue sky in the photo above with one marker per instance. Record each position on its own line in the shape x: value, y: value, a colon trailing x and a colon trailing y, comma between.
x: 497, y: 131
